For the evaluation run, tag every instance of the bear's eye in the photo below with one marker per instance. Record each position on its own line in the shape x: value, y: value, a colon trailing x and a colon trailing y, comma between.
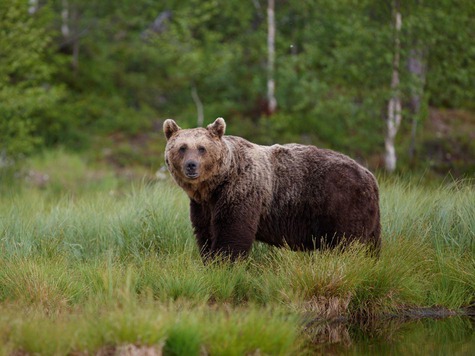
x: 182, y: 149
x: 201, y: 149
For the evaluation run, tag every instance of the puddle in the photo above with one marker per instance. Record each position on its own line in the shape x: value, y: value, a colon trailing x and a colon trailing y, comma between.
x: 452, y: 335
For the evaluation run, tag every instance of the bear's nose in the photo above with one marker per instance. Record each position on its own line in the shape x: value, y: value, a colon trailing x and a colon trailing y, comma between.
x: 190, y: 169
x: 191, y: 166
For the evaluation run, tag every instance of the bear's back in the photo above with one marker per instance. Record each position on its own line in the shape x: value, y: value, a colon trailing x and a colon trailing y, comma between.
x: 316, y: 192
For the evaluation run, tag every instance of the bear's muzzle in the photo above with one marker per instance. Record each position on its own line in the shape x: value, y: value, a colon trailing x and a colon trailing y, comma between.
x: 191, y: 169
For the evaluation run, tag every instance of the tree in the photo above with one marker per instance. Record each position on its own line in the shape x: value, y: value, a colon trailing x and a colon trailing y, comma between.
x: 271, y: 101
x: 394, y: 106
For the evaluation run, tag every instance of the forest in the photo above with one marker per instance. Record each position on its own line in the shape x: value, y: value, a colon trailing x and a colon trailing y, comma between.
x: 100, y: 77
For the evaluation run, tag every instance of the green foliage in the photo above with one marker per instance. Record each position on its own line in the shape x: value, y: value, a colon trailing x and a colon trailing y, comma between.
x: 26, y: 93
x: 451, y: 57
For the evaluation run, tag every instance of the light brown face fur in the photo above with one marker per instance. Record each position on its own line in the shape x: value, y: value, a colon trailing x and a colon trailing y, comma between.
x: 194, y: 156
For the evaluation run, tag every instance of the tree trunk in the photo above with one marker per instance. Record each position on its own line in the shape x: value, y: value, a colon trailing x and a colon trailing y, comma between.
x: 394, y: 105
x: 3, y: 158
x: 33, y: 6
x: 75, y: 20
x: 69, y: 20
x: 417, y: 69
x: 271, y: 100
x: 199, y: 106
x: 65, y: 19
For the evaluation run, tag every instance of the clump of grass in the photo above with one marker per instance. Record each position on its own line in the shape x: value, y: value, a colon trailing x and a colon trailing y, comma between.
x: 39, y: 282
x: 443, y: 216
x: 148, y: 220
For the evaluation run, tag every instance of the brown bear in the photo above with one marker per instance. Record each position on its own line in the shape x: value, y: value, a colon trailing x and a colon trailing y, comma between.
x: 295, y: 195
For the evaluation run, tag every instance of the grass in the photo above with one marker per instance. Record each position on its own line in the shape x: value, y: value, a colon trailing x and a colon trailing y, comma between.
x: 92, y: 270
x: 178, y: 328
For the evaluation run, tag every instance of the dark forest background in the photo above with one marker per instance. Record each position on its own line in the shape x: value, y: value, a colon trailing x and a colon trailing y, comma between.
x: 100, y: 77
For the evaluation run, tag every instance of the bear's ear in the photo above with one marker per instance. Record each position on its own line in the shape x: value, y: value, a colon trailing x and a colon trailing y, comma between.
x: 218, y: 127
x: 170, y: 127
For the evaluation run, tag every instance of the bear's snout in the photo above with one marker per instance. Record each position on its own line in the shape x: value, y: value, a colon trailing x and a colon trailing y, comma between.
x: 191, y: 169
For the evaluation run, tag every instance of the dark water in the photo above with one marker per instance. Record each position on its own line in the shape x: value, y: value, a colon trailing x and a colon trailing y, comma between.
x: 448, y: 336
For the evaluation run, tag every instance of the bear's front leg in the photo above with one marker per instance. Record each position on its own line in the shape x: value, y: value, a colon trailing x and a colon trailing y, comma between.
x: 200, y: 216
x: 234, y: 230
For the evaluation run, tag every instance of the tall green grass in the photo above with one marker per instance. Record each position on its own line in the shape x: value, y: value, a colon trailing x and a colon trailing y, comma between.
x: 441, y: 216
x: 83, y: 270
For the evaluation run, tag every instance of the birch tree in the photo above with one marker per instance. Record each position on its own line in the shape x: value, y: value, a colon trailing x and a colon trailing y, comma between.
x: 417, y: 70
x: 70, y: 31
x: 33, y: 6
x: 65, y: 19
x: 271, y: 100
x: 199, y: 106
x: 394, y: 106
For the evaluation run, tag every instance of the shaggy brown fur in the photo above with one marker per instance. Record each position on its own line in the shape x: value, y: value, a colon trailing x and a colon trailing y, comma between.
x: 294, y: 195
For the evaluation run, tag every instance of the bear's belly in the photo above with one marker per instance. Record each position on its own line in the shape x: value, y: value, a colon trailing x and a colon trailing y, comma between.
x: 297, y: 231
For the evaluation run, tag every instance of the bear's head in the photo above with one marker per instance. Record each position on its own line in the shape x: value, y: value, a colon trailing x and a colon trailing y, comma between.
x: 194, y: 155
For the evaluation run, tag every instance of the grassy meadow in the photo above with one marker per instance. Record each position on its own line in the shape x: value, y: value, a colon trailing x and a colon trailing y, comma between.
x: 92, y: 264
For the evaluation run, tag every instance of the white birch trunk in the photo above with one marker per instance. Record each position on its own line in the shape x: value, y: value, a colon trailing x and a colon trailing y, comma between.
x: 271, y: 100
x: 199, y: 106
x: 394, y: 105
x: 65, y: 19
x: 33, y: 6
